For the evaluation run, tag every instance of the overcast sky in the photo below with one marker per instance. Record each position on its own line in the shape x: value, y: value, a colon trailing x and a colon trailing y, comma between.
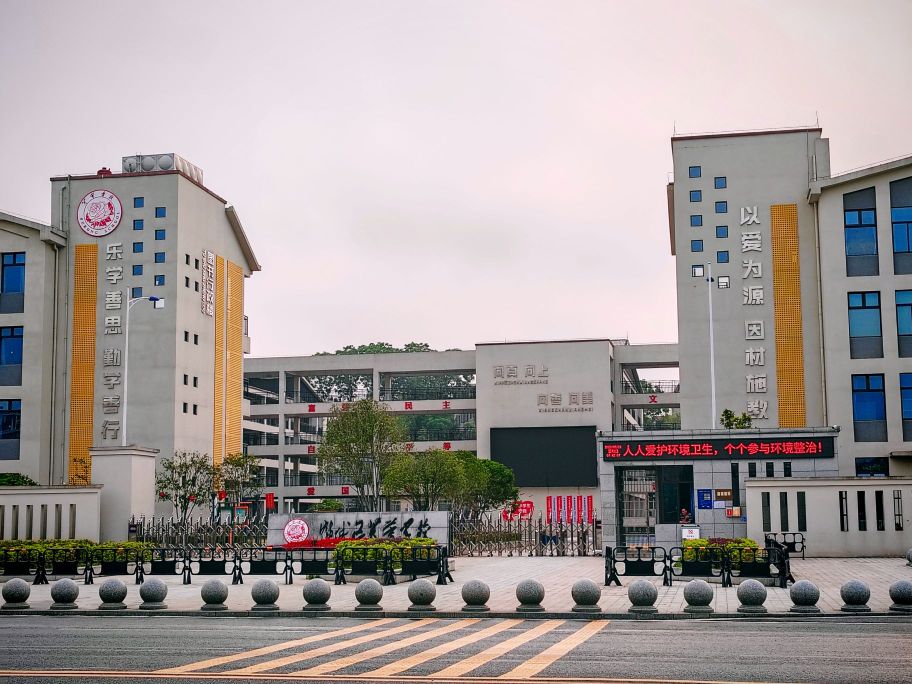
x: 448, y: 172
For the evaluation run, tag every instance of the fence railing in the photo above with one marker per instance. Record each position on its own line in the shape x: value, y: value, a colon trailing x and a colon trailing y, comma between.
x: 650, y: 386
x: 224, y: 531
x: 494, y: 536
x: 429, y: 394
x: 443, y: 434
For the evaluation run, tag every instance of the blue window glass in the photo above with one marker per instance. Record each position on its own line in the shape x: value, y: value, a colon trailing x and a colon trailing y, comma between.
x: 137, y: 269
x: 861, y: 233
x: 160, y: 234
x: 696, y: 220
x: 720, y: 182
x: 11, y: 345
x: 696, y: 195
x: 139, y: 202
x: 137, y: 247
x: 696, y: 245
x: 722, y: 256
x: 721, y: 231
x: 902, y: 228
x: 160, y: 212
x: 13, y: 277
x: 10, y: 418
x: 905, y: 393
x: 864, y: 314
x: 137, y: 224
x: 136, y: 292
x: 904, y: 312
x: 721, y: 207
x: 868, y: 401
x: 694, y: 172
x: 159, y: 280
x: 159, y: 257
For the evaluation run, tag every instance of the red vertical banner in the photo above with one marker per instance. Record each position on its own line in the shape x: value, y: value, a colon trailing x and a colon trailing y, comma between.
x: 569, y: 509
x: 560, y: 508
x: 589, y: 512
x: 579, y: 509
x: 548, y: 504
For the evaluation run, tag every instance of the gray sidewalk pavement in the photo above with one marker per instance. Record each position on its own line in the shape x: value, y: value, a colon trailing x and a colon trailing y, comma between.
x: 556, y: 574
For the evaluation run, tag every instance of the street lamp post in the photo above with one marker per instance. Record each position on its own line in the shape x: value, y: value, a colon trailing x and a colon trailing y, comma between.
x: 158, y: 303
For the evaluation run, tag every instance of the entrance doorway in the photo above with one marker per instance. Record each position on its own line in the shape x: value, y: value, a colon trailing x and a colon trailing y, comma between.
x: 636, y: 502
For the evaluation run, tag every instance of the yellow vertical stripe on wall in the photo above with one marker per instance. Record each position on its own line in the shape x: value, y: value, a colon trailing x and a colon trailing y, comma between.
x: 787, y: 311
x: 82, y: 367
x: 234, y: 362
x: 218, y: 399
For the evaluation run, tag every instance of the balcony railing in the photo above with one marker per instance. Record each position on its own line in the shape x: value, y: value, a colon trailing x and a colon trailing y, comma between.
x: 268, y: 480
x: 442, y: 435
x: 657, y: 425
x: 261, y: 439
x: 428, y: 394
x: 292, y: 397
x: 314, y: 480
x: 650, y: 387
x: 258, y: 395
x: 305, y: 438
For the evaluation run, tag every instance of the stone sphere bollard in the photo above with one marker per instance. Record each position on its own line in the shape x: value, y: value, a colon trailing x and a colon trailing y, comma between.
x: 368, y: 593
x: 752, y: 595
x: 214, y: 594
x: 901, y: 595
x: 642, y: 596
x: 475, y: 593
x: 264, y: 593
x: 316, y: 593
x: 153, y: 592
x: 586, y: 595
x: 804, y: 595
x: 15, y: 594
x: 698, y: 595
x: 855, y: 595
x: 112, y: 592
x: 422, y: 594
x: 909, y: 557
x: 64, y: 592
x: 530, y: 593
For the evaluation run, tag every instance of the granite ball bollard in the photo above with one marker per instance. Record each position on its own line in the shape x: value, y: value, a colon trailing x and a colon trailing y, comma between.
x: 153, y: 592
x: 112, y: 592
x: 642, y: 596
x: 698, y: 595
x: 214, y: 594
x: 804, y: 595
x: 15, y: 594
x: 64, y: 592
x: 909, y: 557
x: 475, y: 593
x: 901, y: 595
x: 264, y: 593
x: 530, y: 593
x: 369, y: 592
x: 855, y: 595
x: 586, y: 595
x: 422, y: 594
x: 752, y: 595
x: 316, y: 593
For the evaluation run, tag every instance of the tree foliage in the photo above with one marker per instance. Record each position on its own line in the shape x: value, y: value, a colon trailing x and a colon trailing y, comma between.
x: 16, y: 480
x: 187, y: 480
x: 425, y: 478
x: 239, y: 475
x: 731, y: 421
x: 488, y: 484
x: 328, y: 506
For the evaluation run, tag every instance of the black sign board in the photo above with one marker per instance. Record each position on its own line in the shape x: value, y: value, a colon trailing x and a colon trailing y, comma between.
x: 728, y: 448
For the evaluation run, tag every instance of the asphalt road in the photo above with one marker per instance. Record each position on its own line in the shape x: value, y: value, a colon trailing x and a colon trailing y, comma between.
x: 146, y: 649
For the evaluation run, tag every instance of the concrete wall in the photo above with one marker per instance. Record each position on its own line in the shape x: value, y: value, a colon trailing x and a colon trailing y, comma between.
x: 50, y: 512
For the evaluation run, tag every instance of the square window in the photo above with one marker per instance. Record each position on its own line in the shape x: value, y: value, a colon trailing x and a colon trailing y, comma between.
x: 722, y: 256
x: 159, y: 233
x: 136, y: 292
x: 696, y: 220
x: 724, y: 282
x: 696, y: 245
x: 694, y: 171
x: 139, y: 202
x: 196, y: 339
x: 137, y: 269
x: 186, y: 281
x: 159, y: 257
x: 696, y: 195
x: 721, y: 207
x: 696, y: 271
x: 721, y: 231
x: 137, y: 224
x: 159, y: 280
x: 720, y: 182
x: 160, y: 212
x: 137, y: 247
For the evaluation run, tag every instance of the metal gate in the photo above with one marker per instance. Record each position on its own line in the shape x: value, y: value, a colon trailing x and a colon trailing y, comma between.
x: 493, y: 536
x: 636, y: 507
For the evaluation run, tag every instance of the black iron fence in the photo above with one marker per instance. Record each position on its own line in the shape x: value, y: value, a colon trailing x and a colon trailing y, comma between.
x: 494, y: 536
x: 223, y: 531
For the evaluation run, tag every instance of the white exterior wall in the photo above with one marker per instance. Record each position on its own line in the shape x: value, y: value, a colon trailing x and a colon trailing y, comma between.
x: 79, y: 509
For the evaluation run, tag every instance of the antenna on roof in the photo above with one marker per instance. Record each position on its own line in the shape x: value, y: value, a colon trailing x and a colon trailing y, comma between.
x: 817, y: 116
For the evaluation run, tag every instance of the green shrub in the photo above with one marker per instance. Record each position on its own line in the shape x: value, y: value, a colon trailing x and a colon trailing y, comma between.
x: 16, y: 480
x: 398, y: 548
x: 45, y: 545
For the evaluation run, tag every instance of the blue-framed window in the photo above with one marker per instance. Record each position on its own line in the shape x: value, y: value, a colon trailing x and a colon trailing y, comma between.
x: 13, y: 277
x: 694, y: 172
x: 159, y: 257
x: 860, y: 217
x: 902, y: 228
x: 864, y: 314
x: 160, y: 212
x: 137, y: 224
x: 159, y: 280
x: 696, y: 195
x: 159, y: 233
x: 905, y: 395
x: 720, y: 182
x: 696, y: 245
x: 11, y: 346
x: 904, y: 312
x: 137, y: 247
x: 721, y: 231
x: 868, y: 401
x: 722, y: 256
x: 136, y: 292
x: 10, y: 418
x: 696, y: 220
x: 721, y: 207
x: 137, y: 269
x: 139, y: 202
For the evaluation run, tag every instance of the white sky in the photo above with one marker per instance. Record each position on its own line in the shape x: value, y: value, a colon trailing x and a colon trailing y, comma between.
x: 448, y: 172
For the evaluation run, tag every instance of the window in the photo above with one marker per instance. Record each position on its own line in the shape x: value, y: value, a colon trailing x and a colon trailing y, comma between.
x: 139, y: 202
x: 136, y: 292
x: 769, y: 469
x: 159, y: 257
x: 696, y: 245
x: 159, y: 280
x: 865, y: 341
x: 196, y: 339
x: 186, y: 378
x: 905, y: 400
x: 185, y: 407
x: 186, y: 335
x: 137, y: 224
x: 159, y: 233
x: 862, y: 512
x: 694, y: 172
x: 720, y: 182
x: 724, y: 282
x: 722, y: 256
x: 879, y: 511
x: 897, y: 510
x: 843, y: 511
x: 783, y: 512
x: 11, y: 346
x: 721, y: 207
x: 10, y: 418
x: 901, y: 218
x: 696, y: 271
x: 876, y: 466
x: 869, y: 408
x: 187, y: 259
x: 696, y: 195
x: 696, y: 220
x: 186, y: 281
x: 752, y: 470
x: 904, y: 321
x: 721, y: 231
x: 13, y: 278
x: 196, y: 286
x: 160, y: 212
x: 195, y: 381
x: 196, y: 264
x: 765, y: 507
x: 137, y: 269
x: 194, y: 409
x: 802, y: 512
x: 137, y: 247
x: 860, y: 219
x: 787, y: 469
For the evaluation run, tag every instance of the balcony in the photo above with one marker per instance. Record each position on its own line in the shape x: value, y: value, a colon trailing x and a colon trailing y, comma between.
x: 650, y: 387
x: 442, y: 435
x: 427, y: 394
x: 261, y: 438
x: 314, y: 480
x: 304, y: 438
x: 260, y: 396
x: 658, y: 425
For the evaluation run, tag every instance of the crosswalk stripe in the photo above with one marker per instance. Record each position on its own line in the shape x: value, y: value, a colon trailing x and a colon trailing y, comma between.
x: 538, y: 663
x: 332, y: 648
x: 419, y: 658
x: 274, y: 648
x: 340, y: 663
x: 497, y: 650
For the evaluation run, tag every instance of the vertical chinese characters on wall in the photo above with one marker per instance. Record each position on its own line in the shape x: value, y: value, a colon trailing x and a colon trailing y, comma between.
x: 754, y: 296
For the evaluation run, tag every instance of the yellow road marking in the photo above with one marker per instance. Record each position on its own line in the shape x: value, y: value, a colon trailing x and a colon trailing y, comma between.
x: 339, y: 663
x: 332, y: 648
x: 534, y: 665
x: 410, y: 662
x: 266, y: 650
x: 497, y: 650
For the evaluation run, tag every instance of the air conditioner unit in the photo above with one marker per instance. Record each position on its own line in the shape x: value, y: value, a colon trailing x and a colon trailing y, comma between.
x: 147, y: 163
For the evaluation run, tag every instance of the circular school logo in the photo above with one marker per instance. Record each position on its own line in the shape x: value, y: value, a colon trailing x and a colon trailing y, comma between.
x: 295, y: 530
x: 99, y: 213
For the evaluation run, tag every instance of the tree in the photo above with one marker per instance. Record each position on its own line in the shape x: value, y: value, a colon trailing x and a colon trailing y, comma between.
x: 16, y: 480
x: 488, y: 484
x: 239, y: 476
x: 187, y: 481
x: 730, y: 421
x: 359, y: 445
x: 425, y: 478
x: 328, y: 506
